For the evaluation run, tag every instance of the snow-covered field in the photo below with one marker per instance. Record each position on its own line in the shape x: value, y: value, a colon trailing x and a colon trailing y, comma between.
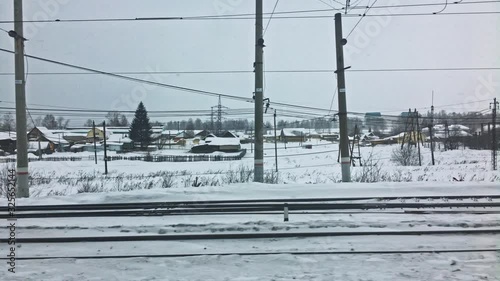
x: 296, y: 165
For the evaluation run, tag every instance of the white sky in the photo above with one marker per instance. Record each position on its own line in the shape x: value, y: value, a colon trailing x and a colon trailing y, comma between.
x: 378, y: 42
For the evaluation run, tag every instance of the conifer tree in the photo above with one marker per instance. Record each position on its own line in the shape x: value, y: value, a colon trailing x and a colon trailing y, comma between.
x: 141, y: 130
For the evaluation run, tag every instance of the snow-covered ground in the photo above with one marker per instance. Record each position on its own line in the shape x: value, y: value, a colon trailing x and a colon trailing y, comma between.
x: 426, y: 266
x: 295, y: 165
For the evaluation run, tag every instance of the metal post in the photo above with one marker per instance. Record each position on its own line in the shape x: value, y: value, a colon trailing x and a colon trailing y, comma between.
x: 275, y: 143
x: 432, y: 143
x: 418, y: 138
x: 285, y: 212
x: 494, y: 142
x: 259, y: 93
x: 431, y: 127
x: 95, y: 146
x: 446, y: 136
x: 22, y: 137
x: 39, y: 149
x: 345, y: 160
x: 105, y: 149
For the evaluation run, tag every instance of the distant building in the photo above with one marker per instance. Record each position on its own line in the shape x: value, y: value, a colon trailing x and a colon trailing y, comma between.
x: 8, y: 141
x: 56, y: 141
x: 119, y: 143
x: 212, y: 144
x: 292, y: 135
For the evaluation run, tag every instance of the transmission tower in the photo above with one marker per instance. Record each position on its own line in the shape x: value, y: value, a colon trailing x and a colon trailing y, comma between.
x: 355, y: 140
x: 218, y: 122
x: 412, y: 134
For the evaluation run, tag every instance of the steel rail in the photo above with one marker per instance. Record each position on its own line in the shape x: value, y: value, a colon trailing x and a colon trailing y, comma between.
x: 175, y: 204
x: 268, y: 235
x: 241, y: 208
x: 369, y: 252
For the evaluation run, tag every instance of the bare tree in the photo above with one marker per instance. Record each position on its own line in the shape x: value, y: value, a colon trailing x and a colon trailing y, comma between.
x: 88, y: 123
x: 8, y: 123
x: 115, y: 118
x: 49, y: 121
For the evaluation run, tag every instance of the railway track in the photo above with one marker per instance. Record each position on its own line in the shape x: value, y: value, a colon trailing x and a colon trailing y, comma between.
x: 226, y: 203
x: 238, y: 208
x: 296, y: 253
x: 477, y: 204
x: 248, y: 235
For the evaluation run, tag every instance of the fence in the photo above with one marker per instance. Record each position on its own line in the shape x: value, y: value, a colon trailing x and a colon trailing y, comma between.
x: 147, y: 158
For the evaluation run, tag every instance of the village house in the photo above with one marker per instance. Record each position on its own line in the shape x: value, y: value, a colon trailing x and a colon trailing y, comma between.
x: 42, y: 134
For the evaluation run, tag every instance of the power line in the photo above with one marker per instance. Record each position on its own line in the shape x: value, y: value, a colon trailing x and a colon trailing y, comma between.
x: 271, y: 17
x: 267, y: 71
x: 185, y: 89
x: 364, y: 14
x: 251, y: 16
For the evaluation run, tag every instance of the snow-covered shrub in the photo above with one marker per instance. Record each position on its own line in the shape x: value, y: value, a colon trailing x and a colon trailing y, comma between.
x: 241, y: 175
x: 167, y: 180
x: 271, y: 176
x: 406, y: 156
x: 88, y: 187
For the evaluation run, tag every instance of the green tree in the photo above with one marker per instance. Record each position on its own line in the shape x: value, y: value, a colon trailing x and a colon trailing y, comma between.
x: 141, y: 129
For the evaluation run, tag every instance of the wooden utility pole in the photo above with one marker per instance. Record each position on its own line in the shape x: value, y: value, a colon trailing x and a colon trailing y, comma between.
x: 345, y: 160
x: 259, y: 95
x: 21, y: 135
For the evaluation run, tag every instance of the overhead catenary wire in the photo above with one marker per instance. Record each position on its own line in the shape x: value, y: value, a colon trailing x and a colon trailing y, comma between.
x: 179, y: 88
x: 271, y: 16
x: 251, y: 16
x: 266, y: 71
x: 364, y: 14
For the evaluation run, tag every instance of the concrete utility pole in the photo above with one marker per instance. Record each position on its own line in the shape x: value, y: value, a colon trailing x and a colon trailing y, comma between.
x: 345, y: 160
x: 275, y: 143
x: 22, y: 137
x: 259, y: 94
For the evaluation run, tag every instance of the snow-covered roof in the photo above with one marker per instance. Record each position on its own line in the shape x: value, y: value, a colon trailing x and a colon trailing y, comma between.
x: 459, y: 127
x: 222, y: 141
x: 7, y: 135
x: 44, y: 130
x: 74, y: 134
x: 50, y: 136
x: 294, y: 132
x: 118, y: 138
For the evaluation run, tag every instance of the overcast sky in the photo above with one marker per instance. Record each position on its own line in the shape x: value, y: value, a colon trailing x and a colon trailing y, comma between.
x: 291, y: 44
